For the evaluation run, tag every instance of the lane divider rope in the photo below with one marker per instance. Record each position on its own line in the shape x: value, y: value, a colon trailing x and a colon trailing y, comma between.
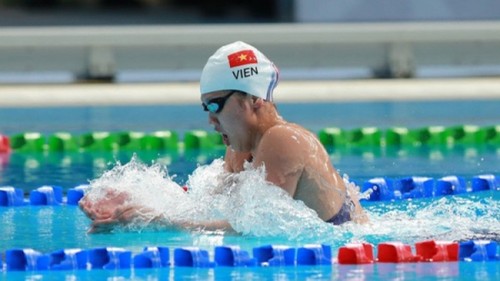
x: 113, y: 258
x: 200, y: 139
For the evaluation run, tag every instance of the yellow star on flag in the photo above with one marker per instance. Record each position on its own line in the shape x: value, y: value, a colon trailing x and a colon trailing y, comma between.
x: 243, y: 57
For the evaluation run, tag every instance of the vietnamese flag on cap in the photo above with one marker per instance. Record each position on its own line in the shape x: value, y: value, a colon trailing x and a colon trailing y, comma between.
x: 242, y: 58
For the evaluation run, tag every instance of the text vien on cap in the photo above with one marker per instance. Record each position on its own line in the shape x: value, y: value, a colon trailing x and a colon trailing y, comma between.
x: 240, y: 66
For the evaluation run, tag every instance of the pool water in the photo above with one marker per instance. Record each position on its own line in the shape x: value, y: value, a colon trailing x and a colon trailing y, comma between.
x: 48, y: 228
x: 455, y: 218
x: 69, y: 169
x: 450, y: 218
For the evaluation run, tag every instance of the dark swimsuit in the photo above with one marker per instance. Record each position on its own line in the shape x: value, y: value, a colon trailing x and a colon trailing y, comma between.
x: 344, y: 215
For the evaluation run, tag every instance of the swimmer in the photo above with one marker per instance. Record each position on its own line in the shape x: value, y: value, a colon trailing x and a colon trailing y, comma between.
x: 237, y: 85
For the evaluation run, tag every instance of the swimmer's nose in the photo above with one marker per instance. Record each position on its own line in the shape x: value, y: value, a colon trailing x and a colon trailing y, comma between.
x: 212, y: 120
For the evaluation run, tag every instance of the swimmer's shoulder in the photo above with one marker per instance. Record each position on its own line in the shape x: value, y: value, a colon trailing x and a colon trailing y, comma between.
x: 284, y: 138
x: 286, y: 129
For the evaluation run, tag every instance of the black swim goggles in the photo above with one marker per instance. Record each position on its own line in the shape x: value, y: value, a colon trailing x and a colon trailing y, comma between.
x: 216, y: 105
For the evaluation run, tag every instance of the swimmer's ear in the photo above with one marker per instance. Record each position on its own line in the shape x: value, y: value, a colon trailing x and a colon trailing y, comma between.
x: 257, y: 102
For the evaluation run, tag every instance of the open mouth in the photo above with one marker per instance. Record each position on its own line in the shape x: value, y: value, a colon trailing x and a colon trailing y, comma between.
x: 225, y: 139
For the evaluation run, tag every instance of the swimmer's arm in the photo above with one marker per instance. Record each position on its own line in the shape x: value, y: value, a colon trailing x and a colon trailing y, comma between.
x: 219, y: 225
x: 216, y: 225
x: 113, y: 211
x: 129, y: 214
x: 282, y: 160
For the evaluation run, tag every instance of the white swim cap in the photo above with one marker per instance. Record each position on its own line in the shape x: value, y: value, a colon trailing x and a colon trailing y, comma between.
x: 239, y: 66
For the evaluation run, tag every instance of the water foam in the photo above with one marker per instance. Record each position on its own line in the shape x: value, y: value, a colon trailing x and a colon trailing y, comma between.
x: 246, y: 200
x: 452, y: 218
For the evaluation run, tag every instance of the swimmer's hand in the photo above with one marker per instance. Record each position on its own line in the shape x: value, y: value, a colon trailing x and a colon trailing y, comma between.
x: 114, y: 209
x: 121, y: 216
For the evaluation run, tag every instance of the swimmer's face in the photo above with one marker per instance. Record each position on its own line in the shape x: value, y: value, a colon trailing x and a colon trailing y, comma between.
x: 226, y: 113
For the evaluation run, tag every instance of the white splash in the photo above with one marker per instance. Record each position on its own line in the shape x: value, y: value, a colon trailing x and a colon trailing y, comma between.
x: 246, y: 200
x: 451, y: 218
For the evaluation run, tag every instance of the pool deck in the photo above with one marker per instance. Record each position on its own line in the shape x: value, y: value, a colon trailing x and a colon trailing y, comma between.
x: 106, y: 94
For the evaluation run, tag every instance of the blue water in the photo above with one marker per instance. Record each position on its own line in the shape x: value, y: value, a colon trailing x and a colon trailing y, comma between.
x: 50, y: 228
x: 29, y: 171
x: 455, y: 218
